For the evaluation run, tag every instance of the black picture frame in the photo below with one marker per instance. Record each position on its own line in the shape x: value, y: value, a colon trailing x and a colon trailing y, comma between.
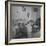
x: 6, y: 23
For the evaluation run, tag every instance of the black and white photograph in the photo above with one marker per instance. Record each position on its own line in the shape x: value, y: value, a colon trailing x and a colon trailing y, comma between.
x: 25, y: 22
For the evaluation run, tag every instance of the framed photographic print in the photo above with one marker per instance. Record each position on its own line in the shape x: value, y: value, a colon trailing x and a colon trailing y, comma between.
x: 24, y: 22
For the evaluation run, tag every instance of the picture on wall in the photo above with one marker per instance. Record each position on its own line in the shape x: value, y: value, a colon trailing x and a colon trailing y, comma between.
x: 24, y: 22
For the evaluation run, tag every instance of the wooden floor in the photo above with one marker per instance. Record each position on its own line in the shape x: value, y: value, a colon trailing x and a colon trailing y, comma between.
x: 36, y: 35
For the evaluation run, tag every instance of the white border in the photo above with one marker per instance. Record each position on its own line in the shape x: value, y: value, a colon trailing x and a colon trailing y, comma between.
x: 27, y: 39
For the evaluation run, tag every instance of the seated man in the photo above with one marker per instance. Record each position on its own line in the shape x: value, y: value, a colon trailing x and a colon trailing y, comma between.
x: 21, y: 32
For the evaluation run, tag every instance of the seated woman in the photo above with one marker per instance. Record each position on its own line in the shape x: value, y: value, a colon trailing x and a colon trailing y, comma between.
x: 36, y: 26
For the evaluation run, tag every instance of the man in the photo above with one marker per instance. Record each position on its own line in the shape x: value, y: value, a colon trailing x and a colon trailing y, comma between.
x: 21, y: 32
